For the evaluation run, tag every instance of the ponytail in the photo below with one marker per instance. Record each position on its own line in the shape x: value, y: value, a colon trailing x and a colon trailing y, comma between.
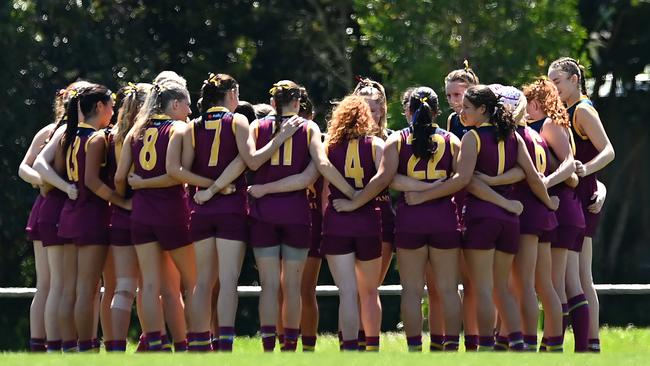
x: 423, y: 104
x: 283, y: 93
x: 495, y: 109
x: 133, y: 98
x: 572, y: 67
x: 214, y: 89
x: 156, y: 101
x: 73, y: 121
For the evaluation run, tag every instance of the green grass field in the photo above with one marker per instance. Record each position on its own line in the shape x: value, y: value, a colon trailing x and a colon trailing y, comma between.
x: 621, y: 346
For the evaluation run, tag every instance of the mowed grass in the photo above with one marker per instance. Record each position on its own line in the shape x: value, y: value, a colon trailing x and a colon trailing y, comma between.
x: 621, y: 346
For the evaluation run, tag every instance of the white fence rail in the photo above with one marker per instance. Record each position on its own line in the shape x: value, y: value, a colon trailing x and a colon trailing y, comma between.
x: 329, y: 290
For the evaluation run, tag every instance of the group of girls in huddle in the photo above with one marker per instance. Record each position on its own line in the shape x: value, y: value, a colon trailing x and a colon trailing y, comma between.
x: 161, y: 208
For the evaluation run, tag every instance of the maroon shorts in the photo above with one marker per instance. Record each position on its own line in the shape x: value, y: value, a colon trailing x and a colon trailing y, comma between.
x: 119, y: 237
x: 264, y: 234
x: 223, y: 226
x: 387, y: 225
x: 488, y: 233
x: 169, y: 237
x: 49, y: 233
x: 548, y: 236
x: 32, y: 222
x: 568, y: 237
x: 446, y: 240
x: 92, y: 236
x: 591, y: 222
x: 316, y: 236
x: 365, y: 248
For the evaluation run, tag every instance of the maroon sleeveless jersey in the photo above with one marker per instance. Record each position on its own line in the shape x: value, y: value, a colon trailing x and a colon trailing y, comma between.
x: 291, y: 158
x: 156, y: 206
x: 354, y: 159
x: 215, y: 147
x: 494, y: 158
x: 437, y: 215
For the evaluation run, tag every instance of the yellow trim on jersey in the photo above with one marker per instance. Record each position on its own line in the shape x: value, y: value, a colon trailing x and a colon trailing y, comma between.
x: 85, y: 125
x: 522, y: 123
x: 193, y: 137
x: 160, y: 116
x: 501, y: 153
x: 291, y: 114
x: 308, y: 136
x: 451, y: 146
x: 217, y: 109
x: 399, y: 144
x: 478, y: 140
x: 486, y: 124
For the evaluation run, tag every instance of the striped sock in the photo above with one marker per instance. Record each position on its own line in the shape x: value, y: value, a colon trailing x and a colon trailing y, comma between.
x: 516, y: 342
x: 142, y: 343
x: 350, y: 345
x: 268, y: 334
x: 452, y: 342
x: 181, y: 346
x: 199, y: 342
x: 531, y: 342
x: 340, y: 341
x: 86, y: 345
x: 414, y: 343
x: 565, y: 317
x: 437, y: 343
x: 166, y: 343
x: 290, y: 339
x: 308, y: 343
x: 555, y: 344
x: 226, y: 338
x: 542, y: 346
x: 215, y: 342
x: 500, y: 343
x: 115, y: 346
x: 54, y: 346
x: 37, y: 345
x: 154, y: 341
x: 579, y: 314
x: 69, y: 346
x: 485, y: 343
x: 471, y: 343
x: 594, y: 345
x: 372, y: 344
x: 361, y: 338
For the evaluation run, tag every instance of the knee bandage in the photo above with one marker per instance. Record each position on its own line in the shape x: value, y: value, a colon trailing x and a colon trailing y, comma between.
x: 125, y: 288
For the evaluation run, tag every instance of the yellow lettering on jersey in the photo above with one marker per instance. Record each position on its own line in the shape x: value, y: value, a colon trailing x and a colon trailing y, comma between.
x: 148, y: 156
x: 353, y: 168
x: 287, y: 148
x: 71, y: 163
x: 501, y: 149
x: 431, y: 173
x: 540, y: 154
x: 214, y: 150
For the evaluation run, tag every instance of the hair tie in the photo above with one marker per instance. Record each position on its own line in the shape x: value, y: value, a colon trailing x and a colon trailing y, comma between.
x: 214, y: 80
x: 424, y: 100
x: 277, y: 88
x: 73, y: 93
x: 466, y: 64
x: 130, y: 89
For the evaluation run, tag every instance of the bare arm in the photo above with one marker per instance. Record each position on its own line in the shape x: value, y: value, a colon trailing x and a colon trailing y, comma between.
x: 25, y: 170
x: 323, y: 164
x: 482, y: 190
x: 95, y: 156
x: 512, y: 176
x: 590, y: 123
x: 43, y: 165
x: 291, y: 183
x: 124, y: 165
x: 246, y: 140
x: 180, y: 155
x: 161, y: 181
x: 557, y: 139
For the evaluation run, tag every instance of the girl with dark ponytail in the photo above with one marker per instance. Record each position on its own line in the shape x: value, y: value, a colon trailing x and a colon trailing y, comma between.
x: 423, y: 155
x: 593, y: 152
x: 491, y: 231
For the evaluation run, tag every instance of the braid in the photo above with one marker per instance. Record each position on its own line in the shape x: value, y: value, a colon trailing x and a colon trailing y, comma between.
x: 283, y: 93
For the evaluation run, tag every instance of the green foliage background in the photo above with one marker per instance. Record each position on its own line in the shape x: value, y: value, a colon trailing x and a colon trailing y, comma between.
x: 323, y: 44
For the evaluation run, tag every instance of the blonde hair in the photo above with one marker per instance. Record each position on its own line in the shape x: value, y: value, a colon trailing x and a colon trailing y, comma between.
x: 134, y: 98
x: 374, y: 91
x: 157, y: 100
